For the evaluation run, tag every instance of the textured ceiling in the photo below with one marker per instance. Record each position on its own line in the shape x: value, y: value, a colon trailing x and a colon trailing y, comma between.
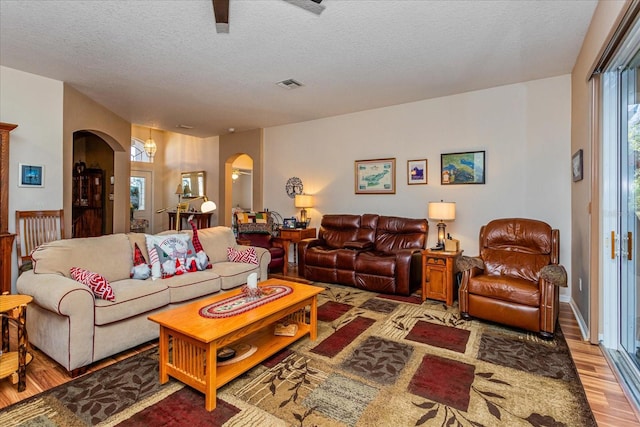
x: 161, y: 63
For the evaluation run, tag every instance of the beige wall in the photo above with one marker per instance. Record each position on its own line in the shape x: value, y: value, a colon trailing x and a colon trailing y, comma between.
x: 231, y: 147
x: 82, y: 113
x: 184, y: 153
x: 584, y: 194
x: 524, y: 129
x: 34, y: 103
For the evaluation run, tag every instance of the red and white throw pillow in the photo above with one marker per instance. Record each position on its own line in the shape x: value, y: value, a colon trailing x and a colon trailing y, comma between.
x: 98, y: 284
x: 248, y: 255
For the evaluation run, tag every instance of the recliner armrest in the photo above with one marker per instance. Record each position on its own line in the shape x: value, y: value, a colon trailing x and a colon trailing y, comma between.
x: 464, y: 263
x: 358, y: 244
x: 555, y: 274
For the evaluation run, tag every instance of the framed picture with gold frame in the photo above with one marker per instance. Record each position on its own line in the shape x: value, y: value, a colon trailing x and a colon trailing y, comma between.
x: 377, y: 176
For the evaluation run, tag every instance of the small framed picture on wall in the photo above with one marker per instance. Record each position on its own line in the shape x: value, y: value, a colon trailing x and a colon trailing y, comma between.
x: 417, y: 171
x: 576, y: 166
x: 30, y: 175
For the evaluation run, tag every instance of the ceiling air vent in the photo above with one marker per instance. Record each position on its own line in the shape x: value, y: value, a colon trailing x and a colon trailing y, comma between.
x: 289, y: 84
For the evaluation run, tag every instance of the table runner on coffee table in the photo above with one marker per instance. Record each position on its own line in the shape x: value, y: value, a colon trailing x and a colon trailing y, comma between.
x: 240, y: 303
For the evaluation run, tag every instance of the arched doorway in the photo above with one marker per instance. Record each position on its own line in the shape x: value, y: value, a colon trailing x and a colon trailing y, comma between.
x: 93, y: 171
x: 242, y: 183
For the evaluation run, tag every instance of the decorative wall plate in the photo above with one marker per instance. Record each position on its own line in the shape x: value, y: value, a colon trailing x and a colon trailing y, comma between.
x: 293, y: 186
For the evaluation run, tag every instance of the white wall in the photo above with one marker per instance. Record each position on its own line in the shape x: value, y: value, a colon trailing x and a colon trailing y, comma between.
x: 34, y: 103
x: 524, y: 129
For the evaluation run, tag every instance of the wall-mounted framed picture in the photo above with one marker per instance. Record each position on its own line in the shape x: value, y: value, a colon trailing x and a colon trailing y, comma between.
x: 576, y: 166
x: 417, y: 171
x: 289, y: 223
x: 30, y: 175
x: 462, y: 168
x: 377, y: 176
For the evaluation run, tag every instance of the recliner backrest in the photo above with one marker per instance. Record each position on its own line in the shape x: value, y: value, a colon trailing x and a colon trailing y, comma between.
x: 335, y: 230
x: 394, y: 233
x: 518, y: 247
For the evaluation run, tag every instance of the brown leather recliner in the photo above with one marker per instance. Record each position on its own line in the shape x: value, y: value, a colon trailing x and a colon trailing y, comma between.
x: 515, y: 279
x: 373, y: 252
x: 259, y: 234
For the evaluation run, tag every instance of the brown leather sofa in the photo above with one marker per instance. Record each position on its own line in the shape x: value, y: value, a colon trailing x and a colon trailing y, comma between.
x: 372, y: 252
x: 515, y: 279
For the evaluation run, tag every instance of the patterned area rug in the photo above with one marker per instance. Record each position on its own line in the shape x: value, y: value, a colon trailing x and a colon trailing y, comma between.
x: 378, y: 361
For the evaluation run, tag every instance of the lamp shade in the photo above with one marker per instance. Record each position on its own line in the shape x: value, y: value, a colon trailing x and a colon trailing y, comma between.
x: 442, y: 211
x: 208, y: 206
x: 303, y: 201
x: 179, y: 189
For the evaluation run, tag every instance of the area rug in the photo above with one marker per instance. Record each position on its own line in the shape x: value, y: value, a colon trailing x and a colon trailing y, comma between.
x: 378, y: 361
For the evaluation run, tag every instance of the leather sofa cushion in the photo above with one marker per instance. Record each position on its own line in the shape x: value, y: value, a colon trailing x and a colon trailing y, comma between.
x: 516, y: 264
x: 376, y: 264
x: 337, y: 229
x: 321, y: 256
x: 510, y: 289
x: 394, y: 233
x: 518, y: 235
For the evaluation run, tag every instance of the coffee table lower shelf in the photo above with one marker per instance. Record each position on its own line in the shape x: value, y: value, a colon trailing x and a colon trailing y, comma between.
x: 188, y: 359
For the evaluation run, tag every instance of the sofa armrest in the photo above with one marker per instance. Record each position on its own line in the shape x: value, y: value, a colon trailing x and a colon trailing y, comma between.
x: 303, y: 246
x: 404, y: 263
x: 58, y: 294
x: 264, y: 258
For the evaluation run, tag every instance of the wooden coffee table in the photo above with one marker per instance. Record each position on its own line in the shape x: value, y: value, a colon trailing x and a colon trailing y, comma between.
x: 189, y: 342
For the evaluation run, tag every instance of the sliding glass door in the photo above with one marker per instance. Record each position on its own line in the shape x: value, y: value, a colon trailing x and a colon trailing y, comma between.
x: 629, y: 188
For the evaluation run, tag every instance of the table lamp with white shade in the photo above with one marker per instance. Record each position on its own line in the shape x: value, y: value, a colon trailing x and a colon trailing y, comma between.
x: 442, y: 211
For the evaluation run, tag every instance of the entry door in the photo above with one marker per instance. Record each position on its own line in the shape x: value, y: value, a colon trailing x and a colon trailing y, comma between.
x: 141, y: 200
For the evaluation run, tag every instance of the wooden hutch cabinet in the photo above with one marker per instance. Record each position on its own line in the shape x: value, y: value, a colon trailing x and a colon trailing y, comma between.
x: 88, y: 203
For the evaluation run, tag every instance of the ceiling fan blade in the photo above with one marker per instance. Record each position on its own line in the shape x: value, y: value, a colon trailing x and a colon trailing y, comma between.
x: 313, y: 6
x: 221, y: 11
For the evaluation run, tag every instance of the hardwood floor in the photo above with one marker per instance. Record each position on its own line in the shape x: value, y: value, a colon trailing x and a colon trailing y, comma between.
x: 606, y: 398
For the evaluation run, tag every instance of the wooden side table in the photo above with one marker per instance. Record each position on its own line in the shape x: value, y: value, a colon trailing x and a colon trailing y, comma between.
x: 14, y: 363
x: 294, y: 235
x: 202, y: 220
x: 438, y: 270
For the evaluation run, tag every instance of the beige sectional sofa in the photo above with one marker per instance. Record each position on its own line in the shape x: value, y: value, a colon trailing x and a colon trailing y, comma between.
x: 68, y: 323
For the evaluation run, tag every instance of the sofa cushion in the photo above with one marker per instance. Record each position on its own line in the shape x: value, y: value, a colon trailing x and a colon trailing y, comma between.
x: 394, y: 233
x: 110, y: 256
x: 193, y: 285
x: 133, y: 297
x: 511, y: 289
x: 233, y: 274
x: 376, y: 264
x: 337, y: 229
x: 215, y: 241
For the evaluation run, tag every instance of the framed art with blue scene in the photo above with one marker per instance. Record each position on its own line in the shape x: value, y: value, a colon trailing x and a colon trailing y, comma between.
x: 30, y: 175
x: 462, y: 168
x: 417, y: 171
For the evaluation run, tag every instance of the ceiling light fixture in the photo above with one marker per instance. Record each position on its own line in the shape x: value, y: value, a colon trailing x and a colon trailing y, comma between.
x: 150, y: 146
x: 184, y: 126
x: 290, y: 84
